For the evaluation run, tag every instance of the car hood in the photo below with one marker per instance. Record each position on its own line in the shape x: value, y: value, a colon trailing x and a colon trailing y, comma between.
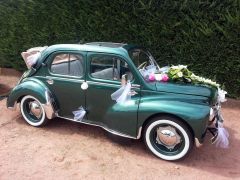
x: 189, y: 89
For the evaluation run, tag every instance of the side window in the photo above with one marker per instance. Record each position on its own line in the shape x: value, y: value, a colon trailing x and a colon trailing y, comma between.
x: 109, y: 67
x: 68, y: 64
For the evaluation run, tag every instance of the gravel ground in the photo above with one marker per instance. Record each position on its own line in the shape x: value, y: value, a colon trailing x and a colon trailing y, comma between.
x: 65, y: 149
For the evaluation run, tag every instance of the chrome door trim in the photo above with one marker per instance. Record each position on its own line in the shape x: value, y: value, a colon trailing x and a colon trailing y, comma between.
x: 65, y: 78
x: 103, y: 83
x: 136, y: 85
x: 109, y: 84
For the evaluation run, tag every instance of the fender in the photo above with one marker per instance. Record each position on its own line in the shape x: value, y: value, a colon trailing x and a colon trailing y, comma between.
x: 193, y: 110
x: 33, y: 87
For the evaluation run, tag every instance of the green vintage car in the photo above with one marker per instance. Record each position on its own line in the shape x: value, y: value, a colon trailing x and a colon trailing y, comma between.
x: 169, y: 116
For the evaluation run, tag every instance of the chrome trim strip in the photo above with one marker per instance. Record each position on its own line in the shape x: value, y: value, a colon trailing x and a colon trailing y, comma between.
x: 116, y: 85
x: 197, y: 143
x: 136, y: 85
x: 48, y: 107
x: 103, y: 83
x: 139, y: 133
x: 75, y: 78
x: 103, y: 127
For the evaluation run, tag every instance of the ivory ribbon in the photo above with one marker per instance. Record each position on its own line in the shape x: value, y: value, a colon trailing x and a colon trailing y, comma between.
x: 123, y: 94
x: 79, y: 114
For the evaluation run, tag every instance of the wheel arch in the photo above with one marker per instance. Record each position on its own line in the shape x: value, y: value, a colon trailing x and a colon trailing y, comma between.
x: 36, y: 89
x: 162, y: 115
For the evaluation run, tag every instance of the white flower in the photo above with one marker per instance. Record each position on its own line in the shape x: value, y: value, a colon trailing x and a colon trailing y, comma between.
x: 182, y: 66
x: 158, y: 77
x: 174, y: 67
x: 180, y: 74
x: 200, y: 79
x: 208, y: 81
x: 179, y: 67
x: 193, y: 75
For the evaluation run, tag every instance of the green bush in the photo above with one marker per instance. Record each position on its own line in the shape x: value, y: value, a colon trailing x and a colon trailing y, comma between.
x: 205, y: 35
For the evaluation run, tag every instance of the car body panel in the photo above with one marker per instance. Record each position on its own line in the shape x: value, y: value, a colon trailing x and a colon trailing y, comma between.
x: 191, y: 109
x: 189, y: 89
x: 103, y: 110
x: 29, y: 86
x: 67, y: 89
x: 187, y: 102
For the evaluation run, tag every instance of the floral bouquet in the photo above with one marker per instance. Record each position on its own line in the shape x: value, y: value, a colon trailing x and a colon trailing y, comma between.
x: 178, y: 73
x: 181, y: 73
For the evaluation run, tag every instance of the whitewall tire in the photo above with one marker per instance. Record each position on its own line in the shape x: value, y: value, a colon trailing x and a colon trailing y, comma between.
x: 32, y: 111
x: 168, y: 138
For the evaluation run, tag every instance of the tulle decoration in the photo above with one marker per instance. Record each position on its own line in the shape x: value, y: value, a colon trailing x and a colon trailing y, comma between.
x: 123, y: 94
x: 221, y: 95
x: 222, y: 137
x: 151, y: 69
x: 79, y: 114
x: 31, y: 55
x: 165, y: 69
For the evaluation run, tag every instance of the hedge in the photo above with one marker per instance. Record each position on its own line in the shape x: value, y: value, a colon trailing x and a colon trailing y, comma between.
x: 205, y: 35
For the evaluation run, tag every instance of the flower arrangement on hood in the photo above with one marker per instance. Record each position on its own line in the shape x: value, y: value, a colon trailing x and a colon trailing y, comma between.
x: 179, y: 73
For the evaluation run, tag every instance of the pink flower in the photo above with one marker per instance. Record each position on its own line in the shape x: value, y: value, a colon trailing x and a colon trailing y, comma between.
x: 165, y: 77
x: 151, y: 77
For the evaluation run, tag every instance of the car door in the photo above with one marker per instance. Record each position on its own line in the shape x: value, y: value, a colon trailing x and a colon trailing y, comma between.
x: 65, y: 74
x: 103, y: 78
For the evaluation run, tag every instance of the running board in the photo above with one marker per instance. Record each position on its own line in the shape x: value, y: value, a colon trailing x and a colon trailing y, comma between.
x: 105, y: 128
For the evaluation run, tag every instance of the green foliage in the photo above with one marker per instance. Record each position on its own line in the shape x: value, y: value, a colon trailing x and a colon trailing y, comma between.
x: 205, y: 35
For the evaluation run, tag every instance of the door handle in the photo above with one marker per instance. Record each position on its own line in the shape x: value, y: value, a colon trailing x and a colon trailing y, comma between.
x: 50, y: 81
x: 135, y: 85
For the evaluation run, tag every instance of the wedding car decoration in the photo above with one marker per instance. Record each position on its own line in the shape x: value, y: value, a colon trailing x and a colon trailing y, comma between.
x: 31, y: 55
x: 79, y: 114
x: 121, y: 88
x: 123, y: 94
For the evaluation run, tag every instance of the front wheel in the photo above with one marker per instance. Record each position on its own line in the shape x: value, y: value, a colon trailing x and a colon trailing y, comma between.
x: 33, y: 111
x: 168, y: 138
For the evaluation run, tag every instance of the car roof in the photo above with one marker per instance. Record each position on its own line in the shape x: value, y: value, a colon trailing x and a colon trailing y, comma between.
x: 101, y: 47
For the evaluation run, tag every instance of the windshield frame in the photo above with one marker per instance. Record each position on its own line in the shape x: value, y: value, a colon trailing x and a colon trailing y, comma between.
x: 151, y: 59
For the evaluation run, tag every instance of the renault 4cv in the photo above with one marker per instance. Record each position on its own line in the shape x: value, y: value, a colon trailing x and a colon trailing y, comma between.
x: 170, y: 117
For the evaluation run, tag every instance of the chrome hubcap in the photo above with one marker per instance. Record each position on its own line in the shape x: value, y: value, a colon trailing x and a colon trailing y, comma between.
x: 35, y: 109
x: 168, y: 137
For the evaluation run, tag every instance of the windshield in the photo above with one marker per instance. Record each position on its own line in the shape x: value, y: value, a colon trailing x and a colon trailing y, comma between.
x: 144, y: 61
x: 142, y: 58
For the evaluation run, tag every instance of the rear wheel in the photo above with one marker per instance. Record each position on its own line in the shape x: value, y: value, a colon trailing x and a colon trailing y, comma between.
x: 168, y: 138
x: 33, y: 111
